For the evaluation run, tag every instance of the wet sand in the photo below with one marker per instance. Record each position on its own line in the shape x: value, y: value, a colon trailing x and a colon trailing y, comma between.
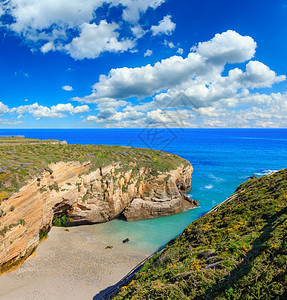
x: 68, y: 265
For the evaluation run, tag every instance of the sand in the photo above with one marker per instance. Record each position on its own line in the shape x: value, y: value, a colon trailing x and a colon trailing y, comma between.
x: 68, y: 265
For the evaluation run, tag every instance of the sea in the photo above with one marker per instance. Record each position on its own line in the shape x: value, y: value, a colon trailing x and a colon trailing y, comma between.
x: 222, y: 159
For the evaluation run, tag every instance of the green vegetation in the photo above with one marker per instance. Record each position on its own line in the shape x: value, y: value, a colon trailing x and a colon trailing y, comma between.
x: 5, y: 229
x: 54, y: 186
x: 85, y: 198
x: 237, y: 251
x: 23, y: 159
x: 61, y: 220
x: 124, y: 188
x: 23, y: 140
x: 43, y: 189
x: 43, y: 233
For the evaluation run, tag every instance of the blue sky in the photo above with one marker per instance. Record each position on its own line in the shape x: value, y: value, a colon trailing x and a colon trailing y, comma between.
x: 137, y: 63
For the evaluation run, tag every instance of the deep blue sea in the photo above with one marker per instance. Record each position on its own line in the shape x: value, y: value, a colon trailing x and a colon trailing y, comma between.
x: 221, y: 158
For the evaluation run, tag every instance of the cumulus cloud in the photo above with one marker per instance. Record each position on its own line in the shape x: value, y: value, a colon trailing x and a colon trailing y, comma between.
x: 36, y: 15
x: 257, y: 75
x: 221, y: 91
x: 111, y: 116
x: 48, y: 47
x: 3, y: 109
x: 67, y: 88
x: 172, y: 72
x: 178, y: 118
x: 134, y: 8
x: 165, y: 26
x: 138, y: 31
x: 169, y: 44
x: 229, y: 47
x: 49, y: 25
x: 182, y: 88
x: 145, y: 81
x: 10, y: 122
x: 56, y: 111
x: 95, y: 39
x: 148, y: 53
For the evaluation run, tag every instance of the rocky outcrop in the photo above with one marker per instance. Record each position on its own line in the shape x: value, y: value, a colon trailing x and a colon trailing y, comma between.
x: 72, y: 192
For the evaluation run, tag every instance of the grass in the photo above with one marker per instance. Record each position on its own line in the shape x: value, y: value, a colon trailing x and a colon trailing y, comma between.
x: 237, y: 251
x: 23, y: 159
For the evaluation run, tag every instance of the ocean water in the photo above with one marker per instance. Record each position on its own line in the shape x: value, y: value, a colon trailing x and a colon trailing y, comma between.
x: 222, y: 159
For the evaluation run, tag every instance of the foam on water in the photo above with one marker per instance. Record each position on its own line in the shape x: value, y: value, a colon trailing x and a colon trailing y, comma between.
x: 208, y: 187
x: 266, y: 172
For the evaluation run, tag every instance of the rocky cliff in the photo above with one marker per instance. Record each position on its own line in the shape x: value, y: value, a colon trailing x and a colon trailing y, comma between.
x: 75, y: 192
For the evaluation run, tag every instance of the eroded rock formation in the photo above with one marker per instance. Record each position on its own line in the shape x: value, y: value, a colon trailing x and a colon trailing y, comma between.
x: 82, y: 197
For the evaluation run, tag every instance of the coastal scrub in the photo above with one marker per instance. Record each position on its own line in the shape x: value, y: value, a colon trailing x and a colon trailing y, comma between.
x: 237, y: 251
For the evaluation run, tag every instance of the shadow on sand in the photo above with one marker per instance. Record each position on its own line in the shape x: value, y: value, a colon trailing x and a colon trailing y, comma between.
x: 109, y: 291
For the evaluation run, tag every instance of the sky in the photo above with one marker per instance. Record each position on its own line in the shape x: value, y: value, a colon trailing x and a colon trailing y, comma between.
x: 143, y: 63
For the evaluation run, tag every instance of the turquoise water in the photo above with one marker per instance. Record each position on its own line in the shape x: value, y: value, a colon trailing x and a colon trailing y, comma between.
x: 222, y: 159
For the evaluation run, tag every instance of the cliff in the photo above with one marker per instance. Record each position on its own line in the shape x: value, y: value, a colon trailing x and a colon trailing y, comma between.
x: 72, y: 184
x: 236, y: 251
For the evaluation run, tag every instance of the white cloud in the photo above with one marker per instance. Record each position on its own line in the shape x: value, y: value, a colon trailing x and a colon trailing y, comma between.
x: 134, y: 8
x: 179, y: 51
x: 178, y: 118
x: 95, y: 39
x: 10, y: 122
x: 148, y: 53
x: 48, y: 24
x: 67, y: 88
x: 3, y: 109
x: 138, y: 31
x: 111, y: 116
x: 37, y: 111
x: 229, y: 91
x: 80, y: 109
x: 35, y: 15
x: 56, y: 111
x: 145, y: 81
x: 228, y: 46
x: 257, y: 75
x: 192, y: 91
x: 40, y: 14
x: 169, y: 44
x: 48, y: 47
x: 165, y: 26
x: 167, y: 74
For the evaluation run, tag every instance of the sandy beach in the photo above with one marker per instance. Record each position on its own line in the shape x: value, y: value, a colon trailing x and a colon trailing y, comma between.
x: 68, y: 265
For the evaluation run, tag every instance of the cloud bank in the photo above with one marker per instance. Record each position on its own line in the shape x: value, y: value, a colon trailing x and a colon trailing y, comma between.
x: 79, y: 28
x: 194, y: 87
x: 219, y: 83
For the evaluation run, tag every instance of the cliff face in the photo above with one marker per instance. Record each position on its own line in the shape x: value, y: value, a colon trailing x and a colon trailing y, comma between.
x: 70, y: 190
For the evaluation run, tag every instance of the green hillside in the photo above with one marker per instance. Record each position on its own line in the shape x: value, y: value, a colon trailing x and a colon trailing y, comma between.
x: 237, y: 251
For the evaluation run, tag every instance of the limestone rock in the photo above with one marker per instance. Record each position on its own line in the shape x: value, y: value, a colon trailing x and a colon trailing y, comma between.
x: 86, y: 197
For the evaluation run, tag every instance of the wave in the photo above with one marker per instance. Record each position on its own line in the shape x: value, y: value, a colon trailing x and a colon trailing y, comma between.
x: 208, y: 187
x: 266, y: 172
x: 215, y: 178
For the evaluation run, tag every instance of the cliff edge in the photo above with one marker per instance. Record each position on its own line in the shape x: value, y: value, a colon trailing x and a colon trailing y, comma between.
x: 45, y: 183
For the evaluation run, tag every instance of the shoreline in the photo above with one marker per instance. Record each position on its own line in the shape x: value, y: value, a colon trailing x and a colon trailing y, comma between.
x: 68, y: 265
